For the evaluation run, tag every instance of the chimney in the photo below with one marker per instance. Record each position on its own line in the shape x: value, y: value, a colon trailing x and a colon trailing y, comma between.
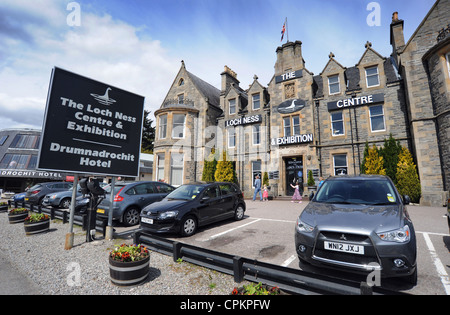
x: 228, y: 77
x: 397, y: 37
x: 289, y: 56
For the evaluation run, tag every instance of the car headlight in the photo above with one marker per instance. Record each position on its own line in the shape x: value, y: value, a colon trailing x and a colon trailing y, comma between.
x: 304, y: 227
x: 168, y: 214
x: 52, y: 196
x: 402, y: 235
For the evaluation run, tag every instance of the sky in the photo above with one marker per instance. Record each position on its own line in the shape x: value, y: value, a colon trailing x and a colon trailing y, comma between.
x: 138, y: 45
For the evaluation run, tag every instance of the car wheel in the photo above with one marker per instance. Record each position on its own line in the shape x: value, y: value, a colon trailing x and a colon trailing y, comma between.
x: 188, y: 226
x: 65, y: 203
x: 239, y: 213
x: 131, y: 216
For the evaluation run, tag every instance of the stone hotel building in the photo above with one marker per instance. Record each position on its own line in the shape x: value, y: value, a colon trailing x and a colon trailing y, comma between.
x: 303, y: 121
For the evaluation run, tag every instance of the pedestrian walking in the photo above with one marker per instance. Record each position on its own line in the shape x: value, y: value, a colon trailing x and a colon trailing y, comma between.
x: 257, y: 185
x: 297, y: 195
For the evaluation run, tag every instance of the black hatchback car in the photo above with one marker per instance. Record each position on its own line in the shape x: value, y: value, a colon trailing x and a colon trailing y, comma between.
x: 193, y: 205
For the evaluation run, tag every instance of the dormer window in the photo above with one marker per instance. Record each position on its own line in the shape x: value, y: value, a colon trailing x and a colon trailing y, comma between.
x: 232, y: 106
x: 372, y: 78
x: 333, y: 84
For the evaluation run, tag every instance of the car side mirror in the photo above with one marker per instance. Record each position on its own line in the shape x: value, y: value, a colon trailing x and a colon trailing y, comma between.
x: 406, y: 199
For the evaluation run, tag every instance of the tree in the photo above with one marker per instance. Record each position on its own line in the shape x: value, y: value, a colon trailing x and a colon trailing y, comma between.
x: 390, y: 153
x: 311, y: 181
x: 408, y: 182
x: 148, y: 134
x: 210, y: 166
x: 374, y: 162
x: 265, y: 179
x: 224, y: 170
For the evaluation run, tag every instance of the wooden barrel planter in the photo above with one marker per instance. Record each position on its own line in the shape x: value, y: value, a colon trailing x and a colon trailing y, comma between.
x: 129, y: 273
x: 36, y: 227
x: 17, y: 217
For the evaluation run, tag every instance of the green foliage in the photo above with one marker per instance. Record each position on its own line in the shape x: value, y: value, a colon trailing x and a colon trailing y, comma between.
x: 407, y: 178
x: 390, y: 153
x: 210, y: 166
x: 148, y: 134
x: 374, y: 162
x: 265, y: 179
x: 311, y: 181
x: 225, y: 170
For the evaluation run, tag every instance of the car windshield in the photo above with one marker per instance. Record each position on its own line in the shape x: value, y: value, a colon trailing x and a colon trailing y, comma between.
x: 186, y: 192
x: 373, y: 192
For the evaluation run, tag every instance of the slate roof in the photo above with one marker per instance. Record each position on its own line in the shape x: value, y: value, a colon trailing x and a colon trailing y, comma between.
x: 208, y: 91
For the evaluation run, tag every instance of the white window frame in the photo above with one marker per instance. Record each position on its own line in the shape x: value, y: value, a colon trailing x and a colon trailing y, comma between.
x: 338, y: 83
x: 257, y: 172
x: 176, y: 166
x: 162, y: 132
x: 372, y: 75
x: 294, y: 126
x: 256, y: 99
x: 334, y: 163
x: 333, y: 133
x: 287, y: 127
x: 256, y: 134
x: 160, y: 166
x: 383, y: 115
x: 181, y: 99
x: 231, y: 132
x: 234, y: 106
x: 176, y: 128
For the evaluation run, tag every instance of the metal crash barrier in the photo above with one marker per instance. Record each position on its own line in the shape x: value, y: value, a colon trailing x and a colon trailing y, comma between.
x: 288, y: 279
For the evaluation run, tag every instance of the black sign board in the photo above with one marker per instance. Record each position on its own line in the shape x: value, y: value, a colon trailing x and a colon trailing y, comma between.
x: 90, y: 127
x: 356, y: 101
x: 289, y: 76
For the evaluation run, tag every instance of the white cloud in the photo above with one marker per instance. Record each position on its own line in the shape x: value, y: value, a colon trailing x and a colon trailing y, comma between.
x: 102, y: 48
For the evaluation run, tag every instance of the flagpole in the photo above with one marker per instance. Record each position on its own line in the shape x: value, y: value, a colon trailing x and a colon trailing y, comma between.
x: 287, y: 31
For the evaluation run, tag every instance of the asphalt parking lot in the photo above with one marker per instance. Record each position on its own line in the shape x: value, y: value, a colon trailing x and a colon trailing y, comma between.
x: 267, y: 234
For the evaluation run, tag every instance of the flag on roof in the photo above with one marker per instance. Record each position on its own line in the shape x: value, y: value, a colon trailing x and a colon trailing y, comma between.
x: 283, y: 30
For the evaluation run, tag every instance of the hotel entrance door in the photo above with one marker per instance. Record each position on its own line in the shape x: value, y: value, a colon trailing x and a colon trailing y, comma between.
x: 294, y: 173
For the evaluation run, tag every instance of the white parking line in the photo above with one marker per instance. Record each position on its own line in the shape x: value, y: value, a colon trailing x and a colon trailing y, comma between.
x: 227, y: 231
x: 288, y: 261
x: 437, y: 262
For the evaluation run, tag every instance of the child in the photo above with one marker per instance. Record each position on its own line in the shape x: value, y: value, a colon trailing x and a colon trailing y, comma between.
x: 296, y: 195
x: 265, y: 194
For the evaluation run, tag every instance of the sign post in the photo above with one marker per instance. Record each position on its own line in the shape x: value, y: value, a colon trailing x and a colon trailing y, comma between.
x: 90, y: 128
x: 69, y: 236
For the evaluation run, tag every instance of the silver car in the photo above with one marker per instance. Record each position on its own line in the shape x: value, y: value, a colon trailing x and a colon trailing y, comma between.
x: 360, y: 224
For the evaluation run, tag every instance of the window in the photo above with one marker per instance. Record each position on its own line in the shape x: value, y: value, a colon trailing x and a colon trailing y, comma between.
x: 294, y: 122
x: 162, y: 188
x: 181, y: 99
x: 227, y: 189
x: 256, y: 171
x: 333, y: 84
x: 340, y: 164
x: 141, y: 189
x: 287, y: 126
x: 212, y: 192
x: 232, y: 106
x: 231, y: 137
x: 372, y: 78
x: 18, y: 161
x: 3, y: 139
x: 447, y: 56
x: 337, y: 124
x: 178, y: 125
x: 25, y: 142
x: 181, y: 82
x: 160, y: 169
x: 376, y: 118
x: 256, y: 134
x: 176, y: 163
x: 296, y: 125
x: 256, y: 102
x: 162, y: 127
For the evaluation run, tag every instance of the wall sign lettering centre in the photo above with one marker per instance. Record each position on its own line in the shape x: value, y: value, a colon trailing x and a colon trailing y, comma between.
x: 244, y: 120
x: 291, y: 106
x: 293, y: 139
x: 357, y: 101
x: 289, y: 76
x: 90, y: 127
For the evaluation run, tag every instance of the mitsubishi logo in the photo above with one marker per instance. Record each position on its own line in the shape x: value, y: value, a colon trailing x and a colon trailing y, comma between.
x: 343, y: 237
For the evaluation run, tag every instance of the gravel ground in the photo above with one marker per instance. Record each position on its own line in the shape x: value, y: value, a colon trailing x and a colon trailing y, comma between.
x: 53, y: 270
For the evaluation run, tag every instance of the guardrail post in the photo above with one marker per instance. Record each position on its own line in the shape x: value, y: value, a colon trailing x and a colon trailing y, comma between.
x: 238, y: 269
x: 137, y: 237
x: 52, y: 212
x: 177, y: 251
